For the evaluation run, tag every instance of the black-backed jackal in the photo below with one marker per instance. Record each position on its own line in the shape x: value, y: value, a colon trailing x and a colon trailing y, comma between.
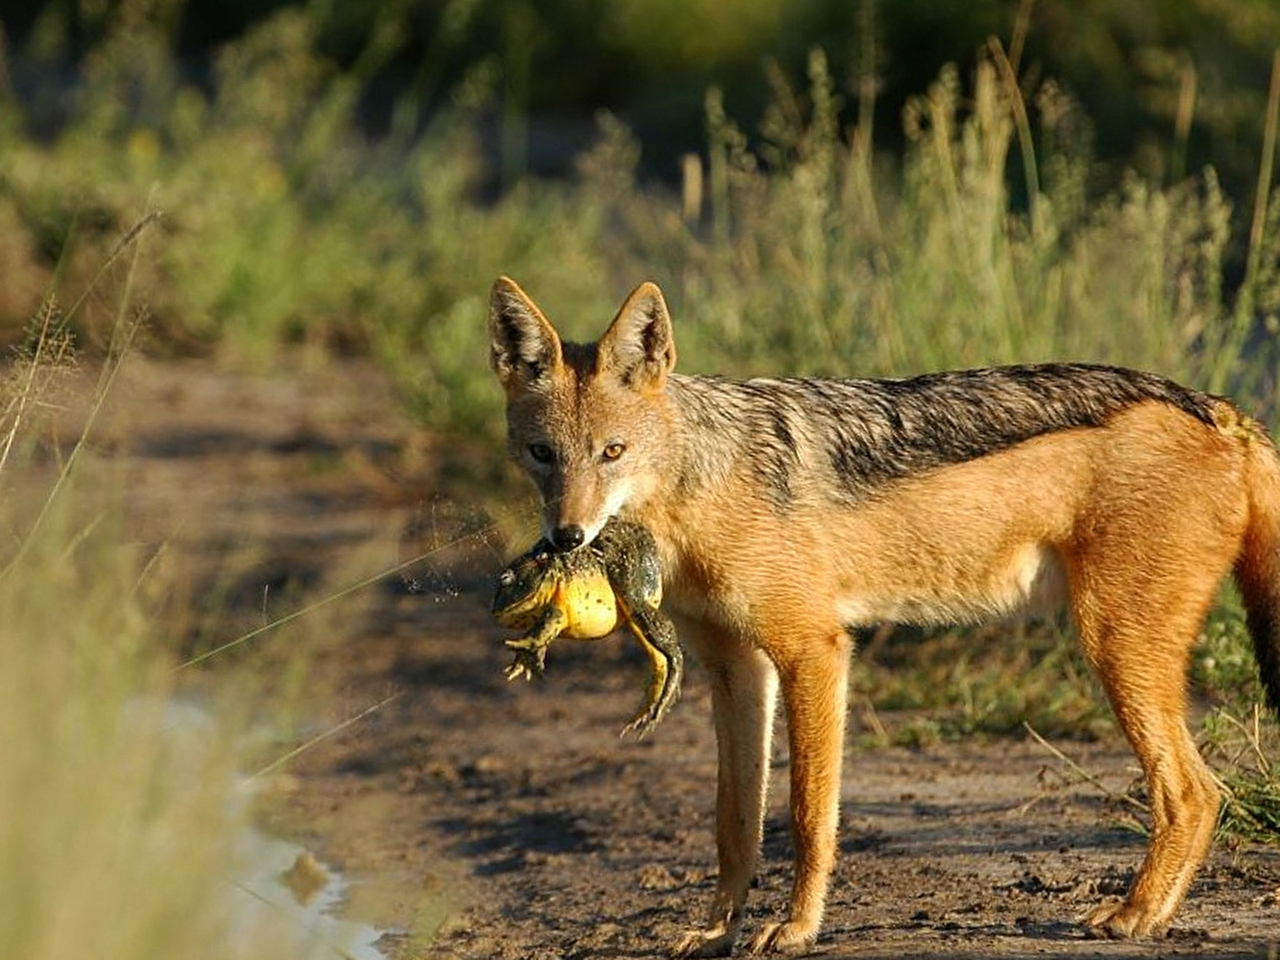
x: 787, y: 510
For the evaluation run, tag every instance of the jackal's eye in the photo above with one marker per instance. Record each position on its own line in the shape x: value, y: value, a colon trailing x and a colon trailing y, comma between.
x: 613, y: 451
x: 541, y: 452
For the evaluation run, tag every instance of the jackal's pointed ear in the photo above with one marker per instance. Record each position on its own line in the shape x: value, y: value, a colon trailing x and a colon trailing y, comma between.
x: 524, y: 349
x: 639, y: 346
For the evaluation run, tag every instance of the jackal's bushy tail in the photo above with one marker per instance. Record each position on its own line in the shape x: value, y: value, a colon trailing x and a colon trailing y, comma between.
x: 1257, y: 568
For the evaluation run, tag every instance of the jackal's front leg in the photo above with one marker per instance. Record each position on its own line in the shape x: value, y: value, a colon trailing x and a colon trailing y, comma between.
x: 531, y: 650
x: 814, y: 672
x: 743, y: 693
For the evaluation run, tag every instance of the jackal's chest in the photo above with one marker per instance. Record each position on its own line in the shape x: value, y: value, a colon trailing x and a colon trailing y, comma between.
x: 702, y: 591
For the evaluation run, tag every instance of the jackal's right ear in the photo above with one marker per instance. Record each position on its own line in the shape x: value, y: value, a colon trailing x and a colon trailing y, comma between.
x: 524, y: 349
x: 639, y: 345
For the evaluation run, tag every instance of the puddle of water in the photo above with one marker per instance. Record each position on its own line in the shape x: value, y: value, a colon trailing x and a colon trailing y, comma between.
x: 289, y: 896
x: 281, y: 895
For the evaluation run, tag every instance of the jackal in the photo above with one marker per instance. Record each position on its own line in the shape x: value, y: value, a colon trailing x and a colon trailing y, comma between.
x: 788, y: 510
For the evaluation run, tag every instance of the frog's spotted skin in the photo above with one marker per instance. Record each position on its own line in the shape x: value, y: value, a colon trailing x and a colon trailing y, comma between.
x: 584, y: 594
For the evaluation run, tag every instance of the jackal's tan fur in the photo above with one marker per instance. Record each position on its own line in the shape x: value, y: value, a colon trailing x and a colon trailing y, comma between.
x: 788, y: 510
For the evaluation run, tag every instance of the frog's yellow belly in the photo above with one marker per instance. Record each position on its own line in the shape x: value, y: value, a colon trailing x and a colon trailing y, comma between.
x: 588, y: 602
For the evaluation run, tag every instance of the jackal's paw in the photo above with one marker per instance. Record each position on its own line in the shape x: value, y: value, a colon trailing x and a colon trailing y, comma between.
x: 716, y: 941
x: 1119, y: 920
x: 527, y: 664
x: 791, y: 935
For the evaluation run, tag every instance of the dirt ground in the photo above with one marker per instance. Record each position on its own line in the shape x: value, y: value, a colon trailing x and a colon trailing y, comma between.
x: 481, y: 819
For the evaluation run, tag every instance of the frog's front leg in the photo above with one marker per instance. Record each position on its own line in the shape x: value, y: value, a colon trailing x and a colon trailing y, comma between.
x: 531, y: 650
x: 657, y: 635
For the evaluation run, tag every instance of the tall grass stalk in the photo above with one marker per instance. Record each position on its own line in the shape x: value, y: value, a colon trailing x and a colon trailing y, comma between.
x: 1243, y: 320
x: 123, y: 332
x: 121, y: 813
x: 1188, y: 80
x: 333, y: 597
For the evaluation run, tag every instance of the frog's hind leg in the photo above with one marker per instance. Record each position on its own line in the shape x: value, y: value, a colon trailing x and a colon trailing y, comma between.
x: 531, y: 650
x: 657, y: 635
x: 634, y: 569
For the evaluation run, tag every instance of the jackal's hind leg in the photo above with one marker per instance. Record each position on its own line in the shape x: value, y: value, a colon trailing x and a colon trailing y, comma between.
x: 1144, y: 676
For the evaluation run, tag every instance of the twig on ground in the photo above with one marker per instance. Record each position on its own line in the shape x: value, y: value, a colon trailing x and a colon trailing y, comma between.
x: 1084, y: 774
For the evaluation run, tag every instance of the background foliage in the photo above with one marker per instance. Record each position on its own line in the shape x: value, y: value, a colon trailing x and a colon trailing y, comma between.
x: 820, y: 187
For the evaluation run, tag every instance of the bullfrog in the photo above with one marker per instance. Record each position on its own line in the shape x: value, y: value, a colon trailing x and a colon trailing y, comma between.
x: 585, y: 594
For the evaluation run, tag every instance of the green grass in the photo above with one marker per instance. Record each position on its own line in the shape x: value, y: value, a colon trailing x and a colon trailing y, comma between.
x: 117, y: 833
x: 123, y: 811
x: 799, y: 248
x: 989, y: 681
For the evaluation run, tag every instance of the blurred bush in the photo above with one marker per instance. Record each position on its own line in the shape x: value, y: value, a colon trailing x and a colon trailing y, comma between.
x: 839, y: 233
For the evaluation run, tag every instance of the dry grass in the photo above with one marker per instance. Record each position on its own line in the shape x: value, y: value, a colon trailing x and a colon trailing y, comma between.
x: 122, y: 811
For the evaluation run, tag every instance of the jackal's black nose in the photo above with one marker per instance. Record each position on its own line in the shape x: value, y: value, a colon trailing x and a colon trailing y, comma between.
x: 566, y: 538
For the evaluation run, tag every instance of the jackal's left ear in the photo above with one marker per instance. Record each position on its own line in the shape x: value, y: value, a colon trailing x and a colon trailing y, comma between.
x: 524, y: 349
x: 639, y: 346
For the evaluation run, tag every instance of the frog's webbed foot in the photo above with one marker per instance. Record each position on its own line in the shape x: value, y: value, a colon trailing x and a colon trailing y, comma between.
x: 657, y: 636
x: 644, y: 722
x: 530, y: 658
x: 664, y: 692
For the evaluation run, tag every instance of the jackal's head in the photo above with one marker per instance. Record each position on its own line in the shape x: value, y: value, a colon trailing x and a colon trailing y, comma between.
x: 586, y: 421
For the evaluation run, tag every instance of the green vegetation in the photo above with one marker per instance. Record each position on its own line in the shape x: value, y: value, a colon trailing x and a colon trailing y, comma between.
x: 120, y: 828
x: 796, y: 248
x: 921, y: 688
x: 122, y: 812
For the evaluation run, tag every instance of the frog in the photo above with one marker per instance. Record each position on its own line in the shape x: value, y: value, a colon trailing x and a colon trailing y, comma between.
x: 586, y: 593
